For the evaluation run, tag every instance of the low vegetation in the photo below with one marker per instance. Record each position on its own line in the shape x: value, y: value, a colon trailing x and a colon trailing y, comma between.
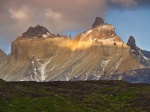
x: 89, y: 96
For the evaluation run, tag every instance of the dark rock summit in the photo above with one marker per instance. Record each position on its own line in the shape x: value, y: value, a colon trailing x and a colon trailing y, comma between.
x: 37, y: 31
x: 140, y: 55
x: 98, y: 21
x: 131, y: 42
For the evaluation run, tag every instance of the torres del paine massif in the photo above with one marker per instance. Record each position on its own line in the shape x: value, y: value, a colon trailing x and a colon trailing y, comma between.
x: 96, y: 54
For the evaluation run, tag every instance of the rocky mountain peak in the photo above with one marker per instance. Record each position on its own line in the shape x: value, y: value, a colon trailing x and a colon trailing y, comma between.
x: 36, y: 32
x: 132, y: 43
x: 98, y: 21
x: 140, y: 55
x: 100, y: 31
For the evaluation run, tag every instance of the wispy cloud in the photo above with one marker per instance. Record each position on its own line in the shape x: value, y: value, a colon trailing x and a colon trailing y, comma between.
x: 55, y: 16
x: 20, y: 15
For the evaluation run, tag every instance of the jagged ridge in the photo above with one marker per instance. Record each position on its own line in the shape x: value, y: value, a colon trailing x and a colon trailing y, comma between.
x: 37, y: 32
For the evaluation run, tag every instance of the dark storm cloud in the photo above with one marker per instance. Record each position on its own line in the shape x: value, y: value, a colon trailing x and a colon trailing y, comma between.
x: 143, y: 2
x: 128, y: 4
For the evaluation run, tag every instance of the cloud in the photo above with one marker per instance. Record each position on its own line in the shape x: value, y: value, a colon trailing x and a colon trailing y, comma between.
x: 59, y: 16
x: 128, y: 4
x: 53, y: 15
x: 125, y: 3
x: 20, y: 15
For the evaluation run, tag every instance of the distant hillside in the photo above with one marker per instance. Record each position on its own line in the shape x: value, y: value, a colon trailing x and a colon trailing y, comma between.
x: 88, y: 96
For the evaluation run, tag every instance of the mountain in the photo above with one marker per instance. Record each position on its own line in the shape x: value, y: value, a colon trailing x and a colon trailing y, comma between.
x: 96, y: 54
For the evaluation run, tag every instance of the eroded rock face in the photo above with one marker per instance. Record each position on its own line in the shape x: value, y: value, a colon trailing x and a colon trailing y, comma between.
x: 25, y: 49
x: 98, y: 21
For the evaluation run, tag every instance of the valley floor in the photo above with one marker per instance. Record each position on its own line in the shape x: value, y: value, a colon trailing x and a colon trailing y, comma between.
x: 89, y: 96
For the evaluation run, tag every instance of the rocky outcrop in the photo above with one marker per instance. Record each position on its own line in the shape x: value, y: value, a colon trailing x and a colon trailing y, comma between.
x: 140, y: 55
x: 99, y: 32
x: 37, y: 32
x: 98, y: 21
x: 131, y: 42
x: 102, y: 32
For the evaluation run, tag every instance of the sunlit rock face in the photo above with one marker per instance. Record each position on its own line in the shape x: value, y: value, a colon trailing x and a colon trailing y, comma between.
x: 25, y: 49
x: 96, y: 54
x: 102, y: 32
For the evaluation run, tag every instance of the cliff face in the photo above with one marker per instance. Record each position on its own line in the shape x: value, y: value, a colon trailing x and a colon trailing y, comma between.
x: 66, y: 59
x: 25, y: 49
x: 96, y: 54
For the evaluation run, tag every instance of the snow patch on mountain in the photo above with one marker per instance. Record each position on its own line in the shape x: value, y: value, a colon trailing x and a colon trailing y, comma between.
x: 44, y: 36
x: 42, y: 68
x: 104, y: 64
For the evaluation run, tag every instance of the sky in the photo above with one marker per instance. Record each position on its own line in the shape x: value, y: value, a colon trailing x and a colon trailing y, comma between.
x: 129, y: 17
